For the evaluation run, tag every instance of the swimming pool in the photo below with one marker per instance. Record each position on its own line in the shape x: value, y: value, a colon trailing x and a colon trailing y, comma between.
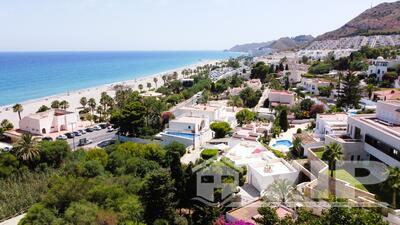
x: 283, y: 143
x: 184, y: 135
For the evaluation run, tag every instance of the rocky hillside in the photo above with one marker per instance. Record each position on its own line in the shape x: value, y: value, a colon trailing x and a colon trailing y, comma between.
x: 281, y: 44
x: 382, y: 19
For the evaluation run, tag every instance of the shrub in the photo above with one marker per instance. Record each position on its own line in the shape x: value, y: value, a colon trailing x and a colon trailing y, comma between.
x: 245, y: 116
x: 220, y: 129
x: 299, y: 130
x: 209, y: 153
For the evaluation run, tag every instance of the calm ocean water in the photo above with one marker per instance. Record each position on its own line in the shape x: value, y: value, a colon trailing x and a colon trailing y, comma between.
x: 30, y: 75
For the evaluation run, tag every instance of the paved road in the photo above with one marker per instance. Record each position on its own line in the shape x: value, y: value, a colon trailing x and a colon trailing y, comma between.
x: 95, y: 136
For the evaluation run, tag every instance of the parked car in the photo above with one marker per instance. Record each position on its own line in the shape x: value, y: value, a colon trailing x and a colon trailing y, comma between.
x: 77, y: 133
x: 103, y: 125
x: 110, y: 129
x: 84, y: 141
x: 47, y: 139
x: 89, y: 129
x: 61, y: 137
x: 70, y: 135
x: 82, y: 131
x: 96, y: 128
x: 106, y: 143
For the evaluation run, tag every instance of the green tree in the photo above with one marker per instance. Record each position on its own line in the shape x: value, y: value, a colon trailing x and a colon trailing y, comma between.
x: 17, y: 108
x: 6, y: 125
x: 42, y: 108
x: 155, y: 79
x: 54, y: 153
x: 98, y: 154
x: 39, y: 214
x: 83, y: 102
x: 64, y: 104
x: 281, y: 192
x: 393, y: 182
x: 92, y: 104
x: 350, y: 94
x: 259, y: 71
x: 221, y: 129
x: 283, y: 120
x: 26, y: 149
x: 157, y: 196
x: 8, y: 164
x: 332, y: 154
x: 82, y: 212
x: 268, y: 216
x: 55, y: 104
x: 235, y: 101
x: 130, y: 119
x: 245, y: 116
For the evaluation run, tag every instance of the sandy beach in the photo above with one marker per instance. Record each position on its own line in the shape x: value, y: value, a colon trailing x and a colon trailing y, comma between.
x: 73, y: 97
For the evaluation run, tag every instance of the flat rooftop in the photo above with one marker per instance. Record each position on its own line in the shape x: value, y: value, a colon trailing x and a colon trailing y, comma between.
x: 188, y: 119
x: 376, y: 123
x: 271, y: 168
x: 341, y: 117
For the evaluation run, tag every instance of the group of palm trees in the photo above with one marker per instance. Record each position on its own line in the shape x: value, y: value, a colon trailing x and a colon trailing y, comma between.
x: 104, y: 109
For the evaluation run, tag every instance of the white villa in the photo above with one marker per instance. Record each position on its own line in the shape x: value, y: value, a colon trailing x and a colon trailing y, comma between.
x: 278, y: 97
x: 379, y: 67
x: 311, y: 85
x: 188, y: 130
x: 254, y: 84
x: 331, y: 124
x: 263, y: 174
x: 50, y: 121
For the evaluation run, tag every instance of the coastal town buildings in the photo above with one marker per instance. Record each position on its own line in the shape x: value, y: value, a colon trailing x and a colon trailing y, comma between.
x: 330, y: 124
x: 50, y: 121
x: 378, y: 67
x: 312, y: 85
x: 281, y: 97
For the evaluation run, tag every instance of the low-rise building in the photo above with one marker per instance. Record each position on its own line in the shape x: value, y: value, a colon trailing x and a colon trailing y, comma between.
x: 379, y: 133
x: 386, y: 95
x: 281, y: 97
x: 311, y: 85
x: 188, y: 130
x: 254, y: 84
x: 331, y: 124
x: 378, y: 67
x: 50, y: 121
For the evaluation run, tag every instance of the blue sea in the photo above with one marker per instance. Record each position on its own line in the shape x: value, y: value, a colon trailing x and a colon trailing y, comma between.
x: 31, y: 75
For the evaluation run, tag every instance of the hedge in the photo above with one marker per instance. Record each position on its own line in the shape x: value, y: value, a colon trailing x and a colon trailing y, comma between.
x: 209, y: 153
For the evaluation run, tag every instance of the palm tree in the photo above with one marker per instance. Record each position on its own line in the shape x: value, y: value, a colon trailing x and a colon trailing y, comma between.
x: 55, y: 104
x: 332, y: 154
x: 17, y: 108
x: 6, y: 125
x: 64, y: 104
x: 155, y: 79
x: 297, y: 146
x: 281, y: 192
x: 393, y: 182
x: 148, y: 85
x: 164, y: 77
x: 26, y: 148
x: 83, y: 102
x: 235, y: 101
x: 370, y: 88
x: 92, y: 104
x: 140, y: 87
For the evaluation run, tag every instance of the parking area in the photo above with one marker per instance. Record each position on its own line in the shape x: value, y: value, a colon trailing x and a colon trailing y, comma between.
x: 95, y: 137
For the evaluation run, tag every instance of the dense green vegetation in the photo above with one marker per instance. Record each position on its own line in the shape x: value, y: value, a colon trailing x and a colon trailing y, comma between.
x: 221, y: 129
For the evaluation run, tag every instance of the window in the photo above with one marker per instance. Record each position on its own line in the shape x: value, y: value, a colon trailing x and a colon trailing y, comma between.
x: 352, y: 158
x: 189, y: 127
x: 382, y: 146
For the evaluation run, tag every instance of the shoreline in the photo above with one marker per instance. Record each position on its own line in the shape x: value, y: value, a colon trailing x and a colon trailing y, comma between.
x: 73, y: 97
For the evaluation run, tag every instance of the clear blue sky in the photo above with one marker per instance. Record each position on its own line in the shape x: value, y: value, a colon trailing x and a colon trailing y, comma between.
x: 50, y: 25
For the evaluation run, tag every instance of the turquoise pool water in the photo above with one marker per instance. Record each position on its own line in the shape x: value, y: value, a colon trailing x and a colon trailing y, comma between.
x: 184, y: 135
x: 285, y: 143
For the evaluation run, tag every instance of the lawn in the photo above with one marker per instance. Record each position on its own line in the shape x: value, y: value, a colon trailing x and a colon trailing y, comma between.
x: 342, y: 174
x: 319, y: 154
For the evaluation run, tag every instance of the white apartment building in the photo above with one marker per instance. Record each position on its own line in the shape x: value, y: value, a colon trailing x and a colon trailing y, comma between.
x: 188, y: 130
x: 311, y: 85
x: 50, y: 121
x: 379, y: 133
x: 335, y: 124
x: 379, y: 67
x: 279, y: 97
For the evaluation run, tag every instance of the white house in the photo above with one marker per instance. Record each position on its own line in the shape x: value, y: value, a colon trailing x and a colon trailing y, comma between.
x: 50, y: 121
x: 379, y: 67
x: 311, y: 85
x: 188, y: 130
x: 254, y: 84
x: 379, y: 134
x: 212, y: 113
x: 263, y: 174
x: 331, y: 124
x: 279, y: 97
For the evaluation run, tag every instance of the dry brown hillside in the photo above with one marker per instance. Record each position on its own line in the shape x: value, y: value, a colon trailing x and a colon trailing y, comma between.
x: 382, y: 19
